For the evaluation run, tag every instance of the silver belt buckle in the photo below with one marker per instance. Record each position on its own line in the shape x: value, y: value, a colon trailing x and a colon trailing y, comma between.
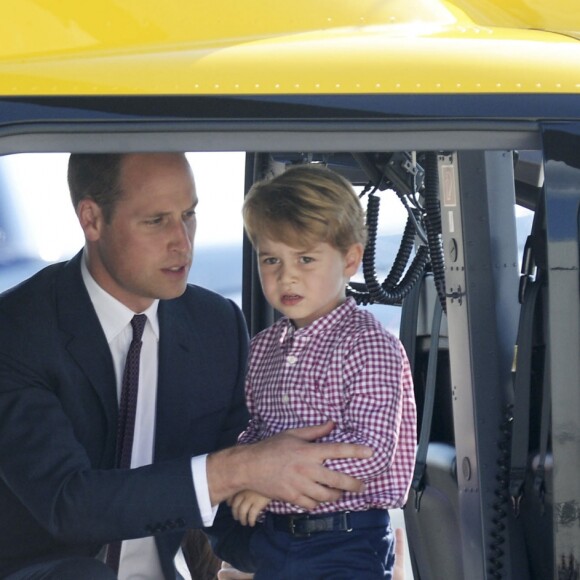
x: 347, y: 520
x: 293, y: 531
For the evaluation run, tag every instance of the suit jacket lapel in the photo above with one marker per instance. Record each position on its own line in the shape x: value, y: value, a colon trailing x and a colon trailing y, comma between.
x: 177, y: 345
x: 87, y: 343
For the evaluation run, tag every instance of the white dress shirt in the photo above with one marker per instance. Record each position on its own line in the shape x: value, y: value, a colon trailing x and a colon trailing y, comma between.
x: 139, y: 557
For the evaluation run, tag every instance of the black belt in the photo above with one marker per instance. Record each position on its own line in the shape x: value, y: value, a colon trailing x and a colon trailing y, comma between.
x: 302, y: 525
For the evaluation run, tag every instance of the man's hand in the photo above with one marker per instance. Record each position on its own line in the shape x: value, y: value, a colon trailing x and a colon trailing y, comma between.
x: 287, y: 467
x: 247, y: 505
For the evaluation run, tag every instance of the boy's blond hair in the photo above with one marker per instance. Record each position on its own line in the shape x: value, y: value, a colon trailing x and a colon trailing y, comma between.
x: 305, y: 205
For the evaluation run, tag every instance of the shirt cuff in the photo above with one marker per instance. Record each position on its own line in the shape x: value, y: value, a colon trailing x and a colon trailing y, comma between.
x: 199, y: 473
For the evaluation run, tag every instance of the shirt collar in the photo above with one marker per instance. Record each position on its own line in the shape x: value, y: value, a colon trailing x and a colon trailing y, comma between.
x: 112, y: 314
x: 322, y: 324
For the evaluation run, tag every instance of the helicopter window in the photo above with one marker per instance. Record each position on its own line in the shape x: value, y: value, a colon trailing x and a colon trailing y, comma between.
x: 38, y: 225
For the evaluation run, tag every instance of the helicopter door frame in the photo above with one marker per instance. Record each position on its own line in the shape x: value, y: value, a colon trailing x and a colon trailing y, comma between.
x: 478, y: 221
x: 562, y: 210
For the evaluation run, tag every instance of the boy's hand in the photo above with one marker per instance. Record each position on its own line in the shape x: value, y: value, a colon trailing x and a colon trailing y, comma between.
x: 247, y: 505
x: 226, y: 572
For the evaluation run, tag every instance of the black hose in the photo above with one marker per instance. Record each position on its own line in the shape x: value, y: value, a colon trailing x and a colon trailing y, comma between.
x: 402, y: 257
x: 497, y: 546
x: 433, y: 226
x: 391, y: 291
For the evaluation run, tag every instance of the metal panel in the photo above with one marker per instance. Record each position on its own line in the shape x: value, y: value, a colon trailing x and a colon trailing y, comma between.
x: 562, y: 189
x: 335, y: 138
x: 477, y: 203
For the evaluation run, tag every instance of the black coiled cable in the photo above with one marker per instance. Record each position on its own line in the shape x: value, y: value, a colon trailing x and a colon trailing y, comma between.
x: 391, y: 291
x: 403, y: 255
x: 502, y: 499
x: 433, y: 226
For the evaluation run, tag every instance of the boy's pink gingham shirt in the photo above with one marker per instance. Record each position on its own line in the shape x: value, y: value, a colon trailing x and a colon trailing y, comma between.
x: 345, y: 367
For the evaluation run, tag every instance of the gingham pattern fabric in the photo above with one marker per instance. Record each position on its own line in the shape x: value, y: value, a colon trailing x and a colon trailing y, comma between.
x: 345, y: 367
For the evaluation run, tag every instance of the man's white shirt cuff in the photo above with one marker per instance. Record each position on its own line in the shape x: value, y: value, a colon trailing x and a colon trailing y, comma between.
x: 199, y: 473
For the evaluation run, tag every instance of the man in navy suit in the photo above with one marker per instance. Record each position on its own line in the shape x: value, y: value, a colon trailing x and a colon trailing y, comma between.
x: 64, y: 335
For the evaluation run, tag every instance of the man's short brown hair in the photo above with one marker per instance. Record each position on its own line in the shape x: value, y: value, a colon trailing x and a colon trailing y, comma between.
x: 95, y: 176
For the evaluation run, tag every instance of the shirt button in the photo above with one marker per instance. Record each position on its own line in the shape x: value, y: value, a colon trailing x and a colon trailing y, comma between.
x: 285, y: 399
x: 291, y: 359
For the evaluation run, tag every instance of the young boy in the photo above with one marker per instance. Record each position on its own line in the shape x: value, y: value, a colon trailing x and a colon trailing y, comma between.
x: 325, y: 360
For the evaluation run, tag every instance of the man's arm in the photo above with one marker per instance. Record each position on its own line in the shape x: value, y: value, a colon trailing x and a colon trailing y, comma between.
x: 287, y: 467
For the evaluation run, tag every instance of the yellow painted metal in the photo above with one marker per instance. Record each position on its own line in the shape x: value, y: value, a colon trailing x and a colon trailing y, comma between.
x: 560, y: 15
x: 234, y: 47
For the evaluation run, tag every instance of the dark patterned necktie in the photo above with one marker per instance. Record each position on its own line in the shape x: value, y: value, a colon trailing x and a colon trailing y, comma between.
x: 127, y: 408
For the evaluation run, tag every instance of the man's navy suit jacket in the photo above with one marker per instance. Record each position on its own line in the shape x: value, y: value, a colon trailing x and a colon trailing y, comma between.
x: 58, y: 421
